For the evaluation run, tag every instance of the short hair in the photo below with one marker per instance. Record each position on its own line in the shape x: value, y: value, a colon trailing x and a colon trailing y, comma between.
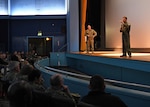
x: 97, y: 83
x: 26, y: 69
x: 19, y: 94
x: 125, y: 17
x: 13, y: 64
x: 33, y: 75
x: 56, y: 80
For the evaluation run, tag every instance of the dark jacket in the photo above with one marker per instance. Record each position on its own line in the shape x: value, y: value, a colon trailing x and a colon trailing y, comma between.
x: 2, y: 62
x: 103, y: 99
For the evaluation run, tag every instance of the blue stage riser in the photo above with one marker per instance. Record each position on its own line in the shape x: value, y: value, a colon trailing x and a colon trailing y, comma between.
x: 111, y: 68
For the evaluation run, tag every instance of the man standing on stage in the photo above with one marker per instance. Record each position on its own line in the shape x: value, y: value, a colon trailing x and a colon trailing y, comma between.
x: 90, y: 34
x: 125, y: 29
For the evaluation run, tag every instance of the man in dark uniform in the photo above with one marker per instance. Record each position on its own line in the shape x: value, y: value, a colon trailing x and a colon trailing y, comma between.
x: 125, y: 29
x: 90, y: 34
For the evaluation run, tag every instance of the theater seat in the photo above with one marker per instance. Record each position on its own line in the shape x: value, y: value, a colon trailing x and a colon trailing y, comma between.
x: 41, y: 99
x: 62, y: 102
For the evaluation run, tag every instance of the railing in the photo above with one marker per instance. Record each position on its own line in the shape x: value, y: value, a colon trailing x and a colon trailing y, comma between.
x: 109, y: 81
x: 87, y: 77
x: 59, y: 50
x: 68, y: 73
x: 127, y: 83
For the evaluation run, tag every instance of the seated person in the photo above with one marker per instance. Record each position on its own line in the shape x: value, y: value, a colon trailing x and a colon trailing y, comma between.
x: 14, y: 56
x: 2, y: 59
x: 36, y: 81
x: 58, y: 89
x: 24, y: 72
x: 14, y: 69
x: 19, y: 94
x: 10, y: 77
x: 98, y: 97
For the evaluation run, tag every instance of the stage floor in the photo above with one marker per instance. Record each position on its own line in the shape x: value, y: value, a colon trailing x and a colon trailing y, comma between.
x: 116, y: 54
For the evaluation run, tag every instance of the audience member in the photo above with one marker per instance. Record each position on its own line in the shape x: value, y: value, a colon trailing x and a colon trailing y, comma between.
x: 58, y: 87
x: 23, y: 55
x: 36, y: 81
x: 20, y: 94
x: 14, y: 57
x: 10, y: 76
x: 98, y: 97
x: 14, y: 69
x: 24, y: 72
x: 2, y: 59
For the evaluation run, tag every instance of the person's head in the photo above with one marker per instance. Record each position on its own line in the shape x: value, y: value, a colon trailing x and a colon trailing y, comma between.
x: 35, y: 76
x: 56, y: 80
x: 19, y: 94
x: 97, y: 83
x: 14, y: 66
x: 15, y: 52
x: 2, y: 55
x: 124, y: 19
x: 26, y: 69
x: 22, y: 52
x: 89, y: 27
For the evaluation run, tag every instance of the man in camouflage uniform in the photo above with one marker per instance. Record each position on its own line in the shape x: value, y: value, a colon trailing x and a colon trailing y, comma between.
x: 90, y: 34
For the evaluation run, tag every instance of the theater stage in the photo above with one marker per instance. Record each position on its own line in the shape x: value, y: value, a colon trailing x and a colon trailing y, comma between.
x: 116, y: 54
x: 109, y: 64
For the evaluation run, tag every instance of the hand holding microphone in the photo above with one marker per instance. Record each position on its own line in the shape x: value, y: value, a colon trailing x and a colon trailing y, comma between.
x: 121, y: 22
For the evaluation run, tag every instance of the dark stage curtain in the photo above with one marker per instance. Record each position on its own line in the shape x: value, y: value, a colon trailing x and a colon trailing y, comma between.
x: 90, y: 14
